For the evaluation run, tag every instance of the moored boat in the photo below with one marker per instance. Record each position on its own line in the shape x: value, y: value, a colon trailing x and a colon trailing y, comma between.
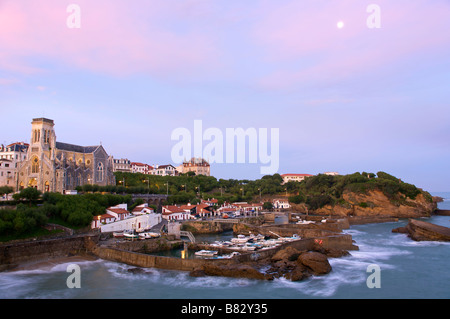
x: 206, y: 253
x: 130, y: 235
x: 239, y: 240
x: 118, y: 234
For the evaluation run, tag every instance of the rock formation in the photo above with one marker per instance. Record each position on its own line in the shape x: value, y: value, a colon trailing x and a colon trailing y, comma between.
x: 419, y: 230
x: 289, y: 263
x: 376, y: 204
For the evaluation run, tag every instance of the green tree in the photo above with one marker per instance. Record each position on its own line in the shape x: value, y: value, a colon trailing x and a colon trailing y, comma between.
x: 29, y: 194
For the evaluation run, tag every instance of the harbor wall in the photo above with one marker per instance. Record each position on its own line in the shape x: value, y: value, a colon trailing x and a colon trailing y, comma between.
x: 151, y: 261
x: 15, y: 253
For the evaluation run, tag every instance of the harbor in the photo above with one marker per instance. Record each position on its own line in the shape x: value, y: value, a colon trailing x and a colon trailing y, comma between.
x: 247, y: 249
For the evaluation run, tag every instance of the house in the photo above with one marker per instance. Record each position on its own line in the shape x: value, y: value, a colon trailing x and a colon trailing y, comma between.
x: 10, y: 157
x: 120, y: 212
x: 140, y: 168
x: 118, y: 218
x: 100, y: 220
x: 171, y: 212
x: 121, y: 165
x: 210, y: 202
x: 7, y: 173
x: 164, y: 170
x: 197, y: 165
x: 142, y: 209
x: 294, y: 177
x: 331, y: 173
x: 247, y: 209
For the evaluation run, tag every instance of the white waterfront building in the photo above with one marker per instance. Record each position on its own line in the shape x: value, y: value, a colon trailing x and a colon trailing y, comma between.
x: 118, y: 218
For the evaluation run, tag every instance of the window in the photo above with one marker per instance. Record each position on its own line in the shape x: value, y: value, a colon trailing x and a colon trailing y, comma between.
x: 100, y: 172
x: 35, y: 165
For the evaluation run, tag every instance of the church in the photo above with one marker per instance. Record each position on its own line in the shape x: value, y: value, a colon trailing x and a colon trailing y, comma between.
x: 53, y: 166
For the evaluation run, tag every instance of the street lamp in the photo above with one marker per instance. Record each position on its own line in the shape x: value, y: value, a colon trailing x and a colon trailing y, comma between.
x: 167, y: 184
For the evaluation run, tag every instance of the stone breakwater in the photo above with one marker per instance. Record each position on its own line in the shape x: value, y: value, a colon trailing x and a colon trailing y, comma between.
x: 13, y: 254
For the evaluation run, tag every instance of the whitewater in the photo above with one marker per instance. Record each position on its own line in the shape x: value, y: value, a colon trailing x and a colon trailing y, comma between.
x: 409, y: 270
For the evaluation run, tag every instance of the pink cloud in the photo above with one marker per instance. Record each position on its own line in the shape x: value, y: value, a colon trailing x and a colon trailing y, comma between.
x: 302, y: 38
x: 115, y: 37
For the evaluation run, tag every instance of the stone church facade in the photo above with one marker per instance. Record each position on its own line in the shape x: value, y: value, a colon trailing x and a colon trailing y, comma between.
x: 53, y: 166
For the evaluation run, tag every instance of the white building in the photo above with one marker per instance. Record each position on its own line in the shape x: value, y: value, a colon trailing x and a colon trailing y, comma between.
x: 10, y: 157
x: 140, y: 168
x: 171, y: 213
x: 121, y: 165
x: 7, y: 173
x: 164, y: 170
x: 331, y: 173
x: 118, y: 219
x: 294, y: 177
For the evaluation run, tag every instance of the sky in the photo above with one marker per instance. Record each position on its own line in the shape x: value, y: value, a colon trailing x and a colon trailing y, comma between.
x: 346, y: 99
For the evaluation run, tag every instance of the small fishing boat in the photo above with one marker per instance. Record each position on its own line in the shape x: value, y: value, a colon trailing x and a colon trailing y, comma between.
x: 155, y: 235
x: 304, y: 222
x: 239, y: 240
x: 249, y: 247
x: 118, y: 234
x: 130, y: 235
x: 206, y: 253
x: 229, y: 256
x: 144, y: 236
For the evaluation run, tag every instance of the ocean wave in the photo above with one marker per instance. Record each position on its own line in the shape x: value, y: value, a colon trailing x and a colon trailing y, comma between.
x: 62, y: 267
x: 16, y: 286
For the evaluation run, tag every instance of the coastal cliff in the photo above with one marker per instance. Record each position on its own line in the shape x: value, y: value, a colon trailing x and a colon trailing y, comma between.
x: 362, y: 195
x: 376, y: 204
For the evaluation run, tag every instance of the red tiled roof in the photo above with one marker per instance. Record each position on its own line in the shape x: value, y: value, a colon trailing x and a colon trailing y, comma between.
x: 118, y: 210
x: 173, y: 209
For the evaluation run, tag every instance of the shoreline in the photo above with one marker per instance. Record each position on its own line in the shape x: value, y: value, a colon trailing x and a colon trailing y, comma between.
x: 49, y: 263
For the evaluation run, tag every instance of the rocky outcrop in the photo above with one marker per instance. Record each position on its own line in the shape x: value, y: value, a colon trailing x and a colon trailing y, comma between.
x: 289, y: 263
x: 305, y: 265
x: 423, y: 231
x: 316, y: 262
x: 204, y: 227
x: 376, y: 204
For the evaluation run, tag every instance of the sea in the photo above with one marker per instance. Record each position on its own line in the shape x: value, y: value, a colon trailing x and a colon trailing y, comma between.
x: 406, y: 270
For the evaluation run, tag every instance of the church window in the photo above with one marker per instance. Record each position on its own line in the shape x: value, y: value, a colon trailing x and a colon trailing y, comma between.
x: 35, y: 165
x: 100, y: 172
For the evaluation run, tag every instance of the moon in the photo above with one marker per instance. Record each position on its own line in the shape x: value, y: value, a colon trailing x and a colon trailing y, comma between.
x: 340, y: 24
